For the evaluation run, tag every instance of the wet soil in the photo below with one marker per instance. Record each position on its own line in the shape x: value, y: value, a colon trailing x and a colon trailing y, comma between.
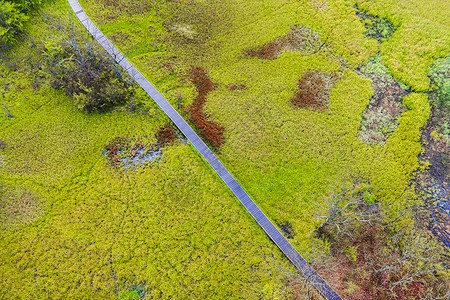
x: 287, y: 229
x: 434, y: 182
x: 379, y: 119
x: 125, y: 151
x: 377, y: 28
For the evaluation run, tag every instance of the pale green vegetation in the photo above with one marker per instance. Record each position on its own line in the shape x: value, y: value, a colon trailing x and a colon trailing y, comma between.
x: 283, y: 156
x: 422, y: 36
x: 72, y: 226
x: 172, y: 226
x: 286, y: 157
x: 439, y: 73
x: 172, y: 229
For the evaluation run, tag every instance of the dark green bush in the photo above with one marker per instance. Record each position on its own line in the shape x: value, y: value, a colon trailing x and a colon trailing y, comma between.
x: 93, y: 80
x: 27, y: 6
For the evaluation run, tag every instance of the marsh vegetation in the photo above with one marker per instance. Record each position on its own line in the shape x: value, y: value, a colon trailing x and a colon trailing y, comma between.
x: 292, y: 96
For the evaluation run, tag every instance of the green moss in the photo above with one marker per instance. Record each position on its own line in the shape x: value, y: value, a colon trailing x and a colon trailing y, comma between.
x: 150, y: 229
x: 284, y: 156
x: 175, y: 226
x: 375, y: 66
x: 421, y: 38
x: 400, y: 157
x: 172, y: 225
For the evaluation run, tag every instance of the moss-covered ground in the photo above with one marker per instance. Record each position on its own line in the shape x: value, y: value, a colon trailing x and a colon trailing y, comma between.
x: 75, y: 227
x: 283, y: 155
x: 174, y: 226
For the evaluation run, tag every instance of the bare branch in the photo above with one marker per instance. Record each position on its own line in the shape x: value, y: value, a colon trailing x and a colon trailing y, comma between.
x: 343, y: 205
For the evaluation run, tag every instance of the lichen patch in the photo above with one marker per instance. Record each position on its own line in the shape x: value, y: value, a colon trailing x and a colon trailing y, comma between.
x: 18, y: 206
x: 379, y: 119
x: 299, y: 39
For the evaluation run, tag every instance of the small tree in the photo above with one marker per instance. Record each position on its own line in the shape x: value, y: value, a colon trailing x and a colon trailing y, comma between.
x: 387, y: 256
x: 344, y: 204
x: 414, y: 258
x: 87, y: 74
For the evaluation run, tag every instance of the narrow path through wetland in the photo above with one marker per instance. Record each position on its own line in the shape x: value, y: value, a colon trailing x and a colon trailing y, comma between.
x: 293, y: 255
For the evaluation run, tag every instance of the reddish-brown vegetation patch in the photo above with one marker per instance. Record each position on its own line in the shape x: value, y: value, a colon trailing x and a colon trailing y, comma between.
x: 236, y: 87
x: 372, y: 252
x: 268, y: 51
x: 212, y: 132
x: 371, y: 264
x: 300, y: 39
x: 314, y: 90
x: 112, y: 149
x: 165, y: 135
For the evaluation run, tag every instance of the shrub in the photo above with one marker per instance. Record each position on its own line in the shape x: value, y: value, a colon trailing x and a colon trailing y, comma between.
x: 373, y: 259
x: 13, y: 15
x: 165, y: 135
x: 93, y: 80
x: 93, y: 88
x: 12, y: 21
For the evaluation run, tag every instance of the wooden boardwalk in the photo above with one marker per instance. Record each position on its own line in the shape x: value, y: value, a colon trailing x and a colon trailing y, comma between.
x: 201, y: 147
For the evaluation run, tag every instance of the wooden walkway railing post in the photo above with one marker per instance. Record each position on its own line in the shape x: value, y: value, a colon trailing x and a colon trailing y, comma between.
x: 276, y: 236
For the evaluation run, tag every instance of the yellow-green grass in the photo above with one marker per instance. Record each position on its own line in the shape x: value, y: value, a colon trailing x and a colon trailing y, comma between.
x: 422, y: 36
x: 171, y: 226
x: 93, y: 232
x: 175, y: 226
x: 285, y: 157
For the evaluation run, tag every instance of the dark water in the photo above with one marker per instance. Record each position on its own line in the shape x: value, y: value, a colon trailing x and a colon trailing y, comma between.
x: 141, y: 158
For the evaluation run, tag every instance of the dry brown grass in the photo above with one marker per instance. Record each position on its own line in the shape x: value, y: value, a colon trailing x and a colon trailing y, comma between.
x: 18, y: 206
x: 314, y: 90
